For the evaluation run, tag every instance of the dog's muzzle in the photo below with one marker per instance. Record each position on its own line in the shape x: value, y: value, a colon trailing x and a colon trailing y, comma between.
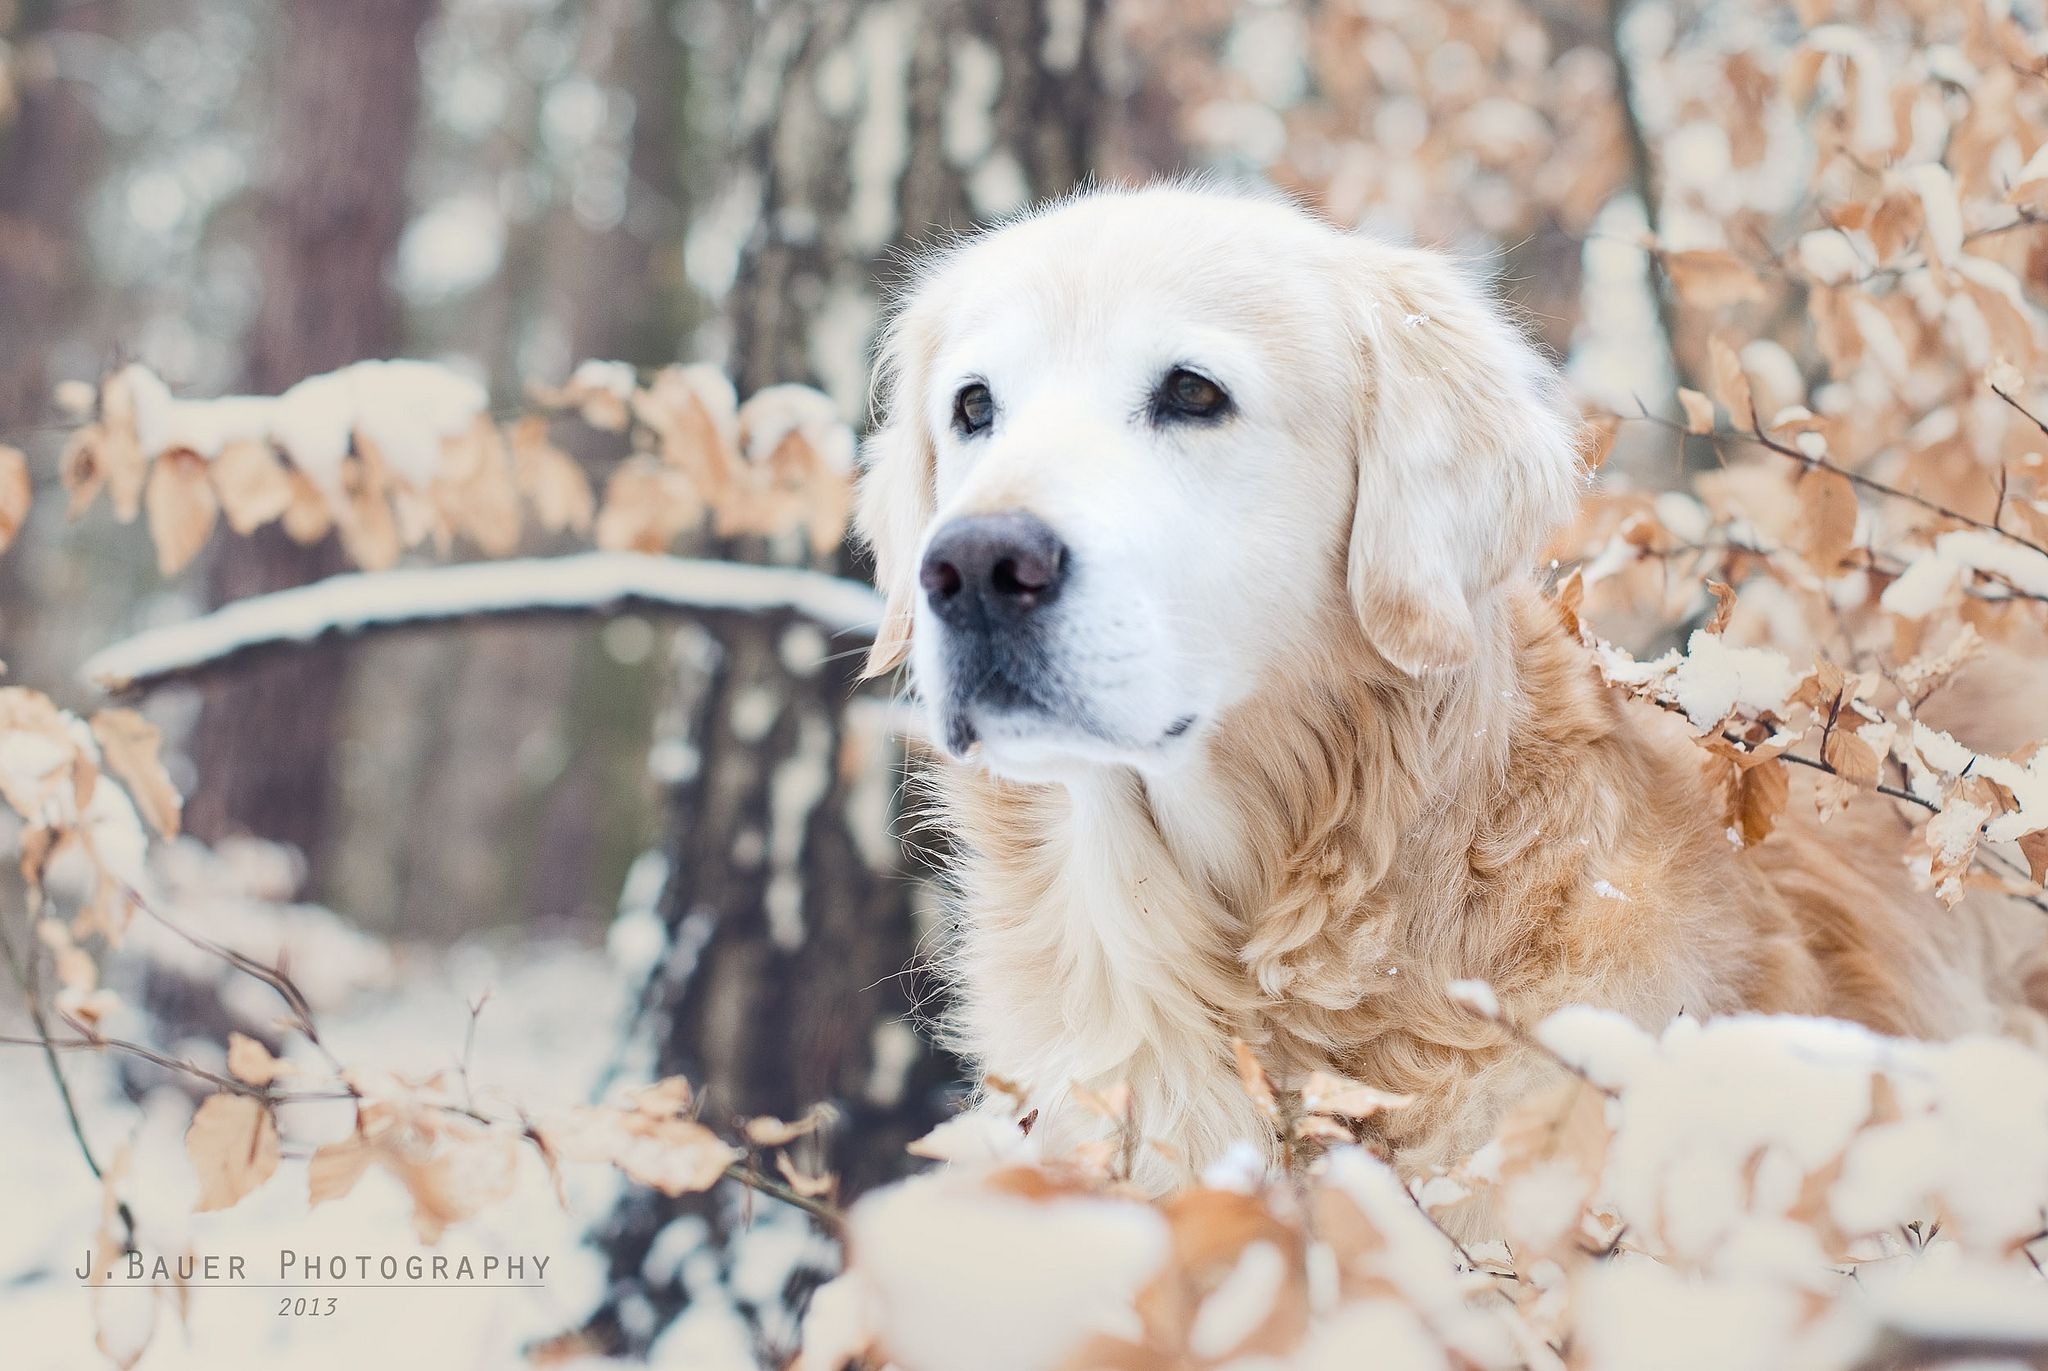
x: 989, y: 580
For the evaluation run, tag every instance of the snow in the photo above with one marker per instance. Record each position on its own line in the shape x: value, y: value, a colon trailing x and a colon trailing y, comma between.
x: 772, y: 413
x: 1723, y: 1124
x: 613, y: 378
x: 1923, y: 588
x: 1715, y: 680
x: 1477, y: 996
x: 1830, y: 256
x: 1710, y: 681
x: 837, y: 1326
x: 406, y: 407
x: 1958, y: 823
x: 1398, y: 1339
x: 584, y: 582
x: 1930, y: 577
x: 533, y: 1043
x: 1640, y: 1314
x: 1241, y: 1303
x: 948, y: 1264
x: 1937, y: 191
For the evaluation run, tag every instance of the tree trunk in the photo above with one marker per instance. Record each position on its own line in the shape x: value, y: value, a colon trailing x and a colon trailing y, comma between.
x: 348, y: 89
x: 865, y: 129
x: 48, y: 160
x: 51, y: 147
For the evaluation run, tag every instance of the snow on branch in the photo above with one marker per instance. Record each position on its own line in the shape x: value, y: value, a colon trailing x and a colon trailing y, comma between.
x: 586, y: 583
x: 395, y: 455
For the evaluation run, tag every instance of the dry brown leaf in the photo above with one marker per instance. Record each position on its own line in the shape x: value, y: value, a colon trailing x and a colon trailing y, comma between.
x: 1852, y: 758
x: 477, y: 494
x: 694, y: 416
x: 80, y: 471
x: 131, y: 745
x: 1252, y: 1076
x: 117, y: 452
x: 123, y: 1319
x: 649, y: 1138
x: 472, y: 1170
x: 76, y: 970
x: 369, y: 528
x: 550, y: 478
x: 647, y: 506
x: 1596, y: 439
x: 335, y: 1169
x: 1570, y: 598
x: 309, y: 517
x: 1951, y: 837
x: 1323, y: 1128
x: 594, y: 391
x: 15, y: 494
x: 1556, y: 1138
x: 233, y: 1145
x: 182, y: 508
x: 45, y: 762
x: 1699, y: 411
x: 2034, y: 847
x: 249, y: 1060
x: 252, y: 483
x: 810, y: 1187
x: 765, y: 1131
x: 1730, y: 384
x: 1711, y: 278
x: 1724, y: 606
x: 1826, y: 529
x: 1758, y: 798
x: 1326, y: 1093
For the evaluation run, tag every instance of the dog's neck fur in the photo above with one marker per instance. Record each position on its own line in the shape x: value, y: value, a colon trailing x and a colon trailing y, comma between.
x: 1308, y: 885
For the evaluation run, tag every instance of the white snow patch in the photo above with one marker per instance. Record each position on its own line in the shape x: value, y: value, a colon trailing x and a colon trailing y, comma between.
x: 586, y: 581
x: 1477, y: 996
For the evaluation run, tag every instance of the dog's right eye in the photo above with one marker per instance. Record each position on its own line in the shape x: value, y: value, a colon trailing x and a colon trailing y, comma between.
x: 974, y: 409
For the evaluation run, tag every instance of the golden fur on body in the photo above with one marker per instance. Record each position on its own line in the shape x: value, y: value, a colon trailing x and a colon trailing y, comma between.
x: 1427, y: 782
x: 1539, y: 835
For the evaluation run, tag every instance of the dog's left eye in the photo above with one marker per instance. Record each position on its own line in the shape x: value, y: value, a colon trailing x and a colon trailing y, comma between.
x: 1185, y: 394
x: 974, y: 409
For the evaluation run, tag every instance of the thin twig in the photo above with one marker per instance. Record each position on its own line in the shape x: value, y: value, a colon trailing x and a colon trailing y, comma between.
x: 753, y: 1179
x: 2032, y: 417
x: 1818, y: 765
x: 1760, y: 438
x: 25, y: 977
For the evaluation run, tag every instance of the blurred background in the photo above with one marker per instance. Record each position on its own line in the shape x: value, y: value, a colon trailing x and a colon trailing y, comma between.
x: 238, y: 195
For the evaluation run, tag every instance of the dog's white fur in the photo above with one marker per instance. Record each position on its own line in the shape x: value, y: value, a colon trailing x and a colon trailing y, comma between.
x: 1399, y: 772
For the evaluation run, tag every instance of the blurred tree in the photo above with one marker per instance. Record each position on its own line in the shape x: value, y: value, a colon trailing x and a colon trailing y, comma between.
x: 49, y: 157
x: 528, y: 742
x: 327, y: 225
x: 860, y: 130
x: 50, y: 152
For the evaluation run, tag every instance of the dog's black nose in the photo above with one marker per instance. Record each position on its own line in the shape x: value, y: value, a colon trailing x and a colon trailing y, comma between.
x: 990, y: 568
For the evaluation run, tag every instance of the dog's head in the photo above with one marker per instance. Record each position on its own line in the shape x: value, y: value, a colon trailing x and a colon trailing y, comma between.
x: 1143, y: 449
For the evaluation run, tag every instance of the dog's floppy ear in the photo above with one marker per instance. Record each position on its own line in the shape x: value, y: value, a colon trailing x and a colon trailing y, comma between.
x: 1466, y: 453
x: 896, y: 482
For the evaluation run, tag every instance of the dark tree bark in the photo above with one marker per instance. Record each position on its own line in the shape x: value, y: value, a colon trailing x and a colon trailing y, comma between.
x: 867, y: 129
x: 348, y: 101
x: 49, y: 158
x: 51, y: 147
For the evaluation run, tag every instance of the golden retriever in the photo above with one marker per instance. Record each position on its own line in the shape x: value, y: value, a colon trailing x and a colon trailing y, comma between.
x: 1206, y: 529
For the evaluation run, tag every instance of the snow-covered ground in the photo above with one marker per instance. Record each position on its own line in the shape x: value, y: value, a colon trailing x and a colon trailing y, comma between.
x: 543, y: 1038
